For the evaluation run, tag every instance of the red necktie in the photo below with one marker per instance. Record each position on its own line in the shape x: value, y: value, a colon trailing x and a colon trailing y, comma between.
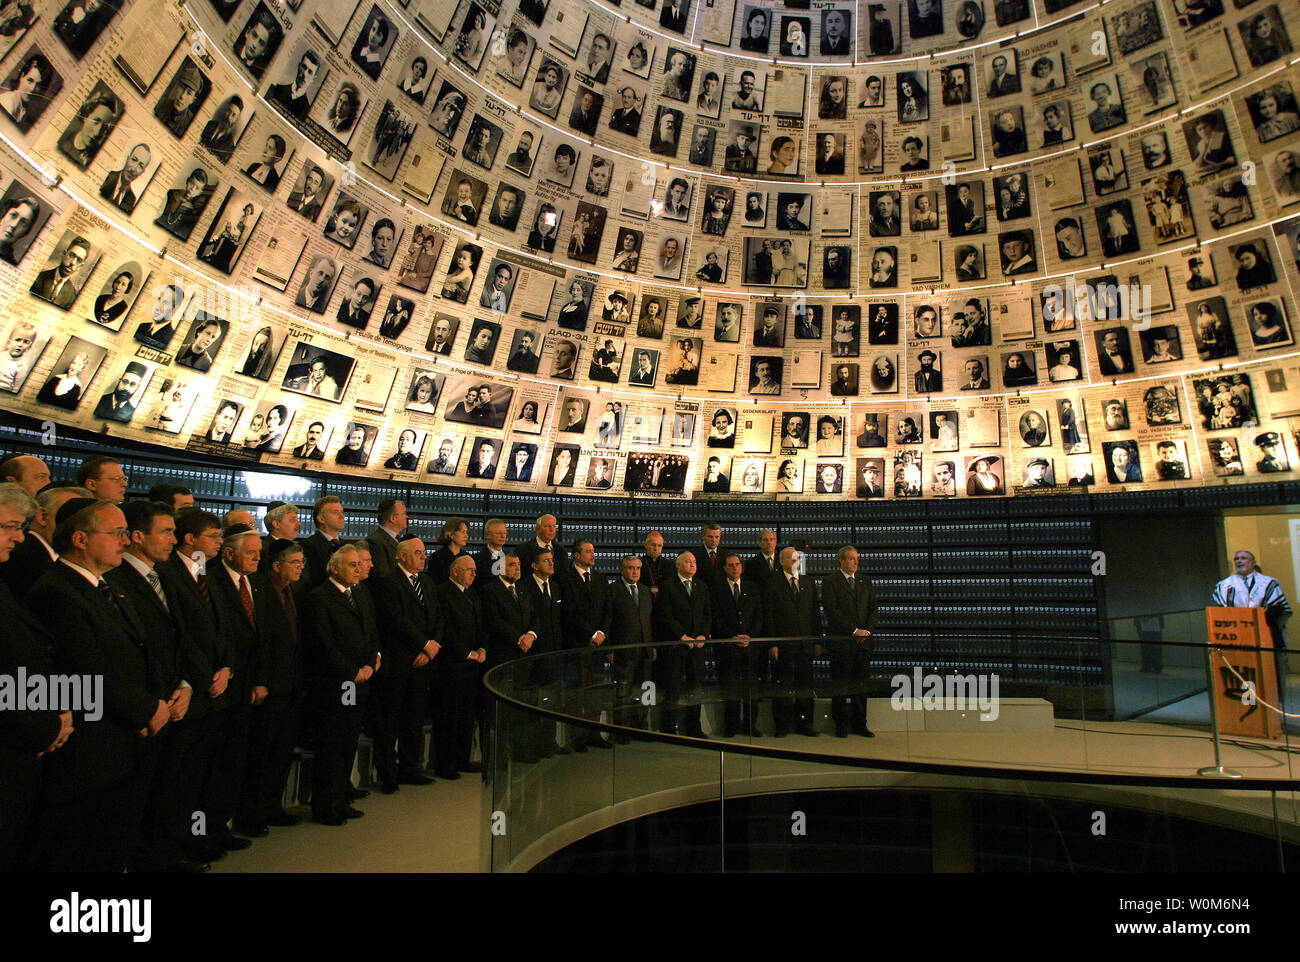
x: 246, y: 599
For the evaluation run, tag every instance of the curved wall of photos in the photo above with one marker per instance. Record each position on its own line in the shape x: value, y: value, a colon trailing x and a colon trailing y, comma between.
x: 918, y: 248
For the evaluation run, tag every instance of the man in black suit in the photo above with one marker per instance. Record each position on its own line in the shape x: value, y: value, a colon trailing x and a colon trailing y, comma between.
x: 152, y: 531
x: 793, y: 611
x: 384, y: 539
x: 673, y: 14
x: 507, y: 617
x: 585, y: 618
x: 91, y: 797
x: 240, y: 594
x: 24, y: 735
x: 117, y: 185
x: 762, y: 566
x: 295, y: 96
x: 34, y: 554
x: 545, y: 529
x: 629, y: 608
x: 342, y: 655
x: 273, y: 730
x: 544, y: 595
x: 708, y: 558
x: 682, y: 614
x: 491, y: 559
x: 850, y: 603
x: 456, y: 676
x: 408, y: 630
x: 327, y: 514
x: 655, y: 569
x: 206, y: 662
x: 737, y: 613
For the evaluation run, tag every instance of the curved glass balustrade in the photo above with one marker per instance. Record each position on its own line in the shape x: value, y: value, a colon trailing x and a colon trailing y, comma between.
x: 582, y: 740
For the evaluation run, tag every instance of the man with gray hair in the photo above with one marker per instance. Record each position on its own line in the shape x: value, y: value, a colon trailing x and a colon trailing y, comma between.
x: 24, y: 735
x: 240, y: 594
x: 281, y: 523
x: 456, y: 684
x: 342, y: 655
x: 35, y: 554
x: 682, y: 614
x: 1248, y: 587
x: 409, y: 632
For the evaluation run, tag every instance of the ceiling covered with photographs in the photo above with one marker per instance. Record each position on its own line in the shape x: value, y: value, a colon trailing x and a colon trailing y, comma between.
x: 915, y: 248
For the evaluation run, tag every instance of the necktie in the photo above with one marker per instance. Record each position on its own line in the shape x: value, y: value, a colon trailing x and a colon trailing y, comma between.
x: 352, y: 602
x: 688, y: 588
x: 151, y: 576
x: 794, y: 585
x: 513, y: 596
x: 290, y: 609
x: 735, y: 592
x: 246, y: 599
x: 636, y: 600
x: 712, y: 559
x: 202, y: 579
x: 417, y: 588
x: 586, y: 578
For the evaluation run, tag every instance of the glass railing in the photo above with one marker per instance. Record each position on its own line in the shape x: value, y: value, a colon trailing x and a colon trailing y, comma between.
x: 588, y: 747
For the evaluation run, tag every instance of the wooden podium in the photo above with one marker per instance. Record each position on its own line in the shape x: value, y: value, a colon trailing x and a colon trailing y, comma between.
x: 1243, y: 627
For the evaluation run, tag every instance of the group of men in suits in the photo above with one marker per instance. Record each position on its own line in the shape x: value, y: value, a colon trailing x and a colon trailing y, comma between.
x: 539, y: 600
x: 217, y: 646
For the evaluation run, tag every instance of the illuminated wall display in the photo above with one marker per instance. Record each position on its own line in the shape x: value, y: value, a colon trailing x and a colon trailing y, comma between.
x: 918, y: 249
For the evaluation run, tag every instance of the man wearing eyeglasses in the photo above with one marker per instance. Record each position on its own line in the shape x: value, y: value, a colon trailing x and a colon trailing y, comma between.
x: 93, y: 797
x: 104, y: 478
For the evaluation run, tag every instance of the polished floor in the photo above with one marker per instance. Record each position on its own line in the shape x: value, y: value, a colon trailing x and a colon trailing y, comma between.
x: 442, y: 827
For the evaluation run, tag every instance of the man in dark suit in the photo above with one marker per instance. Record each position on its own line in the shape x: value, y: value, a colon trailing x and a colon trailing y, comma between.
x: 28, y: 734
x: 737, y: 613
x: 491, y: 559
x: 239, y: 592
x: 850, y: 603
x: 629, y: 608
x: 762, y: 566
x: 655, y: 569
x: 409, y: 629
x: 507, y: 617
x: 35, y: 555
x: 206, y: 662
x: 792, y: 610
x: 273, y: 730
x: 117, y: 185
x: 708, y: 558
x: 294, y: 97
x: 308, y: 200
x: 673, y: 14
x: 152, y: 531
x: 682, y: 614
x: 91, y: 798
x: 327, y: 515
x: 384, y: 539
x: 545, y: 529
x: 56, y: 284
x: 342, y: 655
x: 543, y: 594
x: 456, y: 679
x: 585, y: 618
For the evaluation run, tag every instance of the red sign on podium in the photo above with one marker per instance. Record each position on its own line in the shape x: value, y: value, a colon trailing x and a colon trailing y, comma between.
x: 1240, y: 711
